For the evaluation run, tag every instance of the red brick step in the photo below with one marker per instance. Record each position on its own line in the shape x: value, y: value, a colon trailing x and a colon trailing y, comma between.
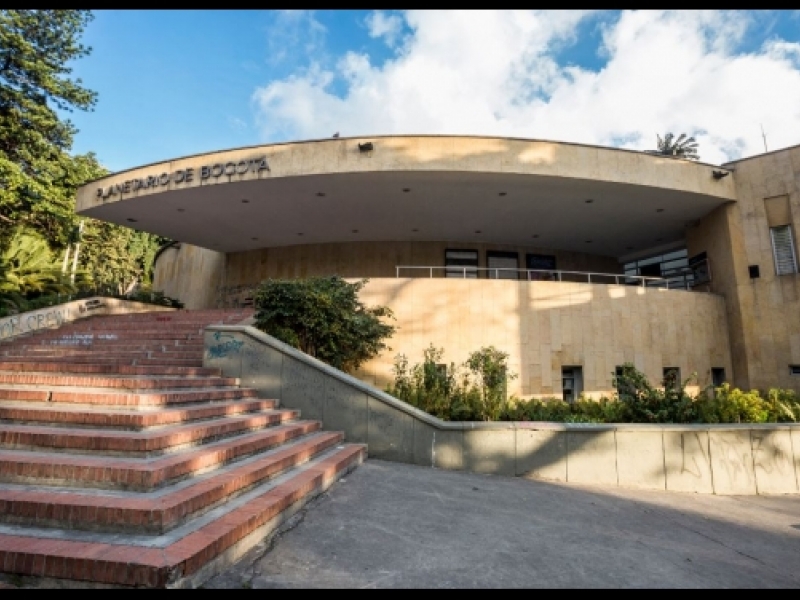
x: 128, y: 420
x: 135, y: 474
x: 148, y: 443
x: 142, y: 512
x: 124, y: 461
x: 132, y: 565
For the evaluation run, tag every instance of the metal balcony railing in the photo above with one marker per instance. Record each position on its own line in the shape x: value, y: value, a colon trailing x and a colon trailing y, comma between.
x: 682, y: 281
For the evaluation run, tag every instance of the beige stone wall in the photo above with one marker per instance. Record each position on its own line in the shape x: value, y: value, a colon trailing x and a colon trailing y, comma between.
x: 546, y: 325
x: 419, y: 153
x: 191, y: 274
x: 378, y: 259
x: 764, y: 312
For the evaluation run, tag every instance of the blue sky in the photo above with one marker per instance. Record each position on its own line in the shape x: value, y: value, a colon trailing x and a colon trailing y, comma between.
x: 173, y: 83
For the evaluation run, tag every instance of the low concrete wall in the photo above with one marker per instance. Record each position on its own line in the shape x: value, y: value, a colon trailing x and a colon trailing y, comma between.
x: 713, y: 459
x: 55, y: 316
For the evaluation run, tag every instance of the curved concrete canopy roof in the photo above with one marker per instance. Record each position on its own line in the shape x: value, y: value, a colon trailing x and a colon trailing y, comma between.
x: 424, y: 188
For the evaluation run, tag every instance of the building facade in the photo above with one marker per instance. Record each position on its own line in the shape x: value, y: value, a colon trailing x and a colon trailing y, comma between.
x: 574, y: 259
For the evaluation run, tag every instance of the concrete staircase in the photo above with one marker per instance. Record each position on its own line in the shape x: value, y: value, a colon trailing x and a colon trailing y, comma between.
x: 123, y: 461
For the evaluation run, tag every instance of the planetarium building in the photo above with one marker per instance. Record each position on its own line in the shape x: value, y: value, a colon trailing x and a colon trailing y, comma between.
x: 573, y: 259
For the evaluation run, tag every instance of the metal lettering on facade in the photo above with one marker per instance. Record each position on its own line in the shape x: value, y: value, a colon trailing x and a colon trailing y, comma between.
x: 228, y: 169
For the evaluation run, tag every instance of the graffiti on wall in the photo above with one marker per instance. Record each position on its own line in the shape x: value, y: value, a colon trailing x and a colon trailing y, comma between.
x: 227, y: 345
x: 45, y: 318
x: 19, y: 324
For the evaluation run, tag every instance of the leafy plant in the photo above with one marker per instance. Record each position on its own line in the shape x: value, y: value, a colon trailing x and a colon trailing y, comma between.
x: 490, y: 368
x: 463, y: 398
x: 474, y: 391
x: 323, y: 317
x: 38, y: 175
x: 683, y: 146
x: 29, y: 271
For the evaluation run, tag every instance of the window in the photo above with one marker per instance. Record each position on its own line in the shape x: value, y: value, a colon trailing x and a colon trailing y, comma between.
x: 673, y: 266
x: 461, y: 263
x: 717, y: 376
x: 698, y: 264
x: 571, y: 383
x: 540, y: 262
x: 783, y: 250
x: 672, y: 378
x: 794, y: 369
x: 502, y: 262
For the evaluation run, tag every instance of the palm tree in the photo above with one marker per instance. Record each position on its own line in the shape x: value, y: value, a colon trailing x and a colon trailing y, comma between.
x: 29, y: 270
x: 683, y: 147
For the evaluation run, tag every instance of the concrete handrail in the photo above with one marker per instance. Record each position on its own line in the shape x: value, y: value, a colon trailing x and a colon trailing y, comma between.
x: 706, y: 458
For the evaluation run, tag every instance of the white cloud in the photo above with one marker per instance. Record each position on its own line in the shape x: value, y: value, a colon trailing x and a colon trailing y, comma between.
x: 293, y: 33
x: 236, y: 123
x: 381, y: 25
x: 497, y: 73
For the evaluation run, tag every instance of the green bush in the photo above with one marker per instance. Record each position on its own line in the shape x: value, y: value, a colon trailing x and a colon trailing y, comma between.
x: 148, y: 296
x: 783, y: 406
x: 644, y: 403
x: 323, y: 317
x: 478, y: 394
x: 474, y: 391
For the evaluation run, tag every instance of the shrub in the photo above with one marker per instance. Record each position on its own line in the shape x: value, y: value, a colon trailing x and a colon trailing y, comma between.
x: 644, y: 403
x: 783, y: 406
x: 489, y: 367
x: 323, y: 317
x: 479, y: 394
x: 474, y: 391
x: 732, y: 405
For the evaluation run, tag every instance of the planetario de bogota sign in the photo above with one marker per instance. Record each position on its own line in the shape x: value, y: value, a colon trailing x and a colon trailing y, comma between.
x: 252, y: 165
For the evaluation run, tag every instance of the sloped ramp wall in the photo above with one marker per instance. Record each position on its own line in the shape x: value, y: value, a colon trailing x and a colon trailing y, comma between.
x: 714, y: 459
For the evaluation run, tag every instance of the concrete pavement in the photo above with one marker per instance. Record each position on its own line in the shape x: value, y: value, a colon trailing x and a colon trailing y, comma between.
x: 392, y: 525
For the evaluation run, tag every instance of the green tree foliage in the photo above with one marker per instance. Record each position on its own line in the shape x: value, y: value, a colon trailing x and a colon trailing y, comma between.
x: 684, y: 147
x: 37, y: 176
x: 323, y: 317
x: 119, y: 258
x: 28, y: 271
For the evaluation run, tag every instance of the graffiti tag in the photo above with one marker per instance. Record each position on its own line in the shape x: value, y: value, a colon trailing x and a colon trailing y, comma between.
x: 16, y: 325
x: 224, y: 348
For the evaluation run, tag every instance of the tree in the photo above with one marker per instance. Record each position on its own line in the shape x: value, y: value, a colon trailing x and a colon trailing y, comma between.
x: 38, y: 178
x: 120, y: 258
x: 323, y: 317
x: 28, y: 270
x: 683, y: 147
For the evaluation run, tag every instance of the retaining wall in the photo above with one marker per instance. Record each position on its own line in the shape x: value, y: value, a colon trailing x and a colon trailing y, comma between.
x: 712, y: 459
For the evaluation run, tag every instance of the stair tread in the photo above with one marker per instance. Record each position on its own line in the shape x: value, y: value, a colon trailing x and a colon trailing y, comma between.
x: 160, y: 509
x: 294, y: 480
x: 142, y: 472
x: 108, y: 477
x: 161, y: 439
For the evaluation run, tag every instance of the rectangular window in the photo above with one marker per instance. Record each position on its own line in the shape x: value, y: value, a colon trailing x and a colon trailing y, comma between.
x: 461, y: 263
x: 502, y: 265
x: 783, y: 250
x: 571, y: 383
x: 794, y: 369
x: 717, y: 376
x: 672, y: 377
x: 539, y: 264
